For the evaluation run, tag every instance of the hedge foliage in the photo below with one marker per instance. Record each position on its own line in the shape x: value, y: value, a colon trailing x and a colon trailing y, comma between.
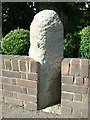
x: 16, y: 42
x: 71, y: 45
x: 77, y: 44
x: 84, y: 50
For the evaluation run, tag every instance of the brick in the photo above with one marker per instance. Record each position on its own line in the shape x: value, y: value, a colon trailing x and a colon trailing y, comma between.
x: 17, y: 89
x: 14, y: 95
x: 77, y: 97
x: 8, y: 87
x: 6, y: 80
x: 22, y: 65
x: 34, y: 67
x: 0, y: 92
x: 32, y: 76
x: 84, y: 97
x: 4, y: 56
x: 74, y: 67
x: 74, y: 104
x: 32, y: 91
x: 87, y: 81
x: 1, y: 79
x: 89, y: 110
x: 84, y: 67
x: 0, y: 72
x: 89, y: 61
x: 14, y: 63
x: 27, y: 98
x: 1, y: 98
x: 30, y: 106
x: 13, y: 88
x: 84, y: 71
x: 13, y: 101
x: 27, y: 58
x: 84, y: 61
x: 0, y: 64
x: 1, y: 86
x: 13, y: 81
x: 78, y: 81
x: 65, y: 66
x: 24, y: 90
x: 85, y: 113
x: 76, y: 113
x: 28, y: 65
x: 11, y: 74
x: 75, y: 61
x: 7, y: 93
x: 7, y: 64
x: 27, y: 83
x: 75, y: 89
x: 66, y: 110
x: 3, y: 64
x: 23, y: 75
x: 89, y: 69
x: 89, y: 90
x: 9, y: 56
x: 89, y: 98
x: 67, y: 96
x: 67, y: 79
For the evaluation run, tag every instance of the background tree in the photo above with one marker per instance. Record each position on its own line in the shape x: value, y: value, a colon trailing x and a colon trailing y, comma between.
x: 16, y: 15
x: 74, y: 15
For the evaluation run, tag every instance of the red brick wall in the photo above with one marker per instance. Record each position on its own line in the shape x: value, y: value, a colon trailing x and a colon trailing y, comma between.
x: 75, y: 81
x: 19, y: 84
x: 19, y: 81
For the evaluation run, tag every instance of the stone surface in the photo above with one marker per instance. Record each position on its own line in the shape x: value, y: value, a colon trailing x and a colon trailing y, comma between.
x: 46, y: 36
x: 46, y: 39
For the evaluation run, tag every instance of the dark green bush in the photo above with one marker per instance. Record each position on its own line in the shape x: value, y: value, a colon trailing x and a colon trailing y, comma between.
x: 71, y: 45
x: 84, y: 50
x: 16, y: 42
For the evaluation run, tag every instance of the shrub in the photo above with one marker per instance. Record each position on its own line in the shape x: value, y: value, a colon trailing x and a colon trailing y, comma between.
x: 16, y: 42
x: 71, y: 45
x: 84, y: 50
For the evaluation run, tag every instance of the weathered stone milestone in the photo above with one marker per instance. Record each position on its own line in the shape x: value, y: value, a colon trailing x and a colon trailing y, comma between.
x: 46, y: 39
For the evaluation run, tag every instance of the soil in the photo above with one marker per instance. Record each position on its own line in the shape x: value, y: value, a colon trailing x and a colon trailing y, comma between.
x: 11, y: 111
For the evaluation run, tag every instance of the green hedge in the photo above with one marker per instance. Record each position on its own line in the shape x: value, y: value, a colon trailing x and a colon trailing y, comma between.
x: 71, y: 45
x: 16, y: 42
x: 84, y: 50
